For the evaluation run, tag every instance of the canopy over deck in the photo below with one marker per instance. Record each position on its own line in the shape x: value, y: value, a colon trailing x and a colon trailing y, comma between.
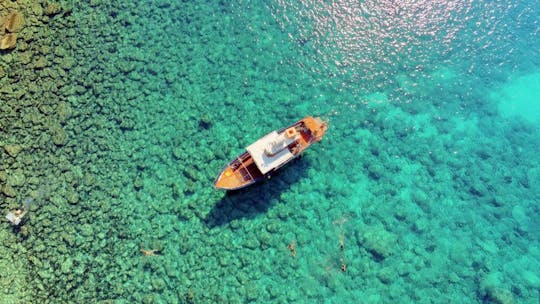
x: 271, y: 151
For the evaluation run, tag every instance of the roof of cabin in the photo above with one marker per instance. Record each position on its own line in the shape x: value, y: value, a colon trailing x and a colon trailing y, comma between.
x: 265, y: 162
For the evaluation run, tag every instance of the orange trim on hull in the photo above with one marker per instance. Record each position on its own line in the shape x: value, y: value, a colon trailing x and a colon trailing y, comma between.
x: 245, y: 170
x: 230, y: 180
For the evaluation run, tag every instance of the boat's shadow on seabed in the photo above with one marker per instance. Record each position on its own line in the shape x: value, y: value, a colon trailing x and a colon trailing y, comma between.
x: 256, y: 199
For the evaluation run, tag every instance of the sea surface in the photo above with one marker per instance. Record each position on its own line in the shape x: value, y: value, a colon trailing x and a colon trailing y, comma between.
x: 116, y: 117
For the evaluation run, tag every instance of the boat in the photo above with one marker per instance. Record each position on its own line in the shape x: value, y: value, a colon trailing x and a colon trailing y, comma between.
x: 271, y: 152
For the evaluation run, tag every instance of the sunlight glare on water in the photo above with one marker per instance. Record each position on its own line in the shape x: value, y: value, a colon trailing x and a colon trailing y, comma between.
x: 370, y: 41
x: 368, y: 38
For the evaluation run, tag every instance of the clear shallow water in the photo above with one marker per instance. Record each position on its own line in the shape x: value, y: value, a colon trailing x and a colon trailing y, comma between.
x: 425, y: 189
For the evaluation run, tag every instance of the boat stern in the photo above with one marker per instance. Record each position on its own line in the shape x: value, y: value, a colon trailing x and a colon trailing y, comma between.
x: 317, y: 126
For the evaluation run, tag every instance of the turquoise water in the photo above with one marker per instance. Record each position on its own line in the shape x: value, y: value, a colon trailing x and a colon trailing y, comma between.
x: 425, y: 188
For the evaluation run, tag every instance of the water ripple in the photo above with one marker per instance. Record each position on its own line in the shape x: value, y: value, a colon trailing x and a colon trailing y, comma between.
x: 372, y: 40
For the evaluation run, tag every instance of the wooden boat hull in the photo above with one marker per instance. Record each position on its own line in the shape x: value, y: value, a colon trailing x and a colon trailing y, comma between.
x: 262, y: 158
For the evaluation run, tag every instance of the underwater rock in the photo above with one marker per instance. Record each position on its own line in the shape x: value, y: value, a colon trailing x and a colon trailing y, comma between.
x: 60, y: 136
x: 16, y: 178
x: 531, y: 279
x: 8, y: 191
x: 24, y: 231
x: 35, y: 9
x: 72, y: 197
x: 67, y: 266
x: 519, y: 214
x: 63, y: 111
x: 158, y: 284
x: 499, y: 296
x: 14, y: 22
x: 40, y: 63
x: 252, y: 243
x: 273, y: 227
x: 53, y: 9
x: 491, y: 287
x: 12, y: 149
x: 459, y: 254
x: 8, y: 42
x: 377, y: 241
x: 252, y: 292
x: 386, y: 275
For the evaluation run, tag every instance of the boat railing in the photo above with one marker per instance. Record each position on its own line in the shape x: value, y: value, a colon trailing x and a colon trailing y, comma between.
x: 244, y: 170
x: 245, y: 173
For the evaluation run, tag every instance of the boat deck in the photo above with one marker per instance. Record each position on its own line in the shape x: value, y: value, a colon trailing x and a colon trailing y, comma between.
x: 270, y: 153
x: 246, y: 167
